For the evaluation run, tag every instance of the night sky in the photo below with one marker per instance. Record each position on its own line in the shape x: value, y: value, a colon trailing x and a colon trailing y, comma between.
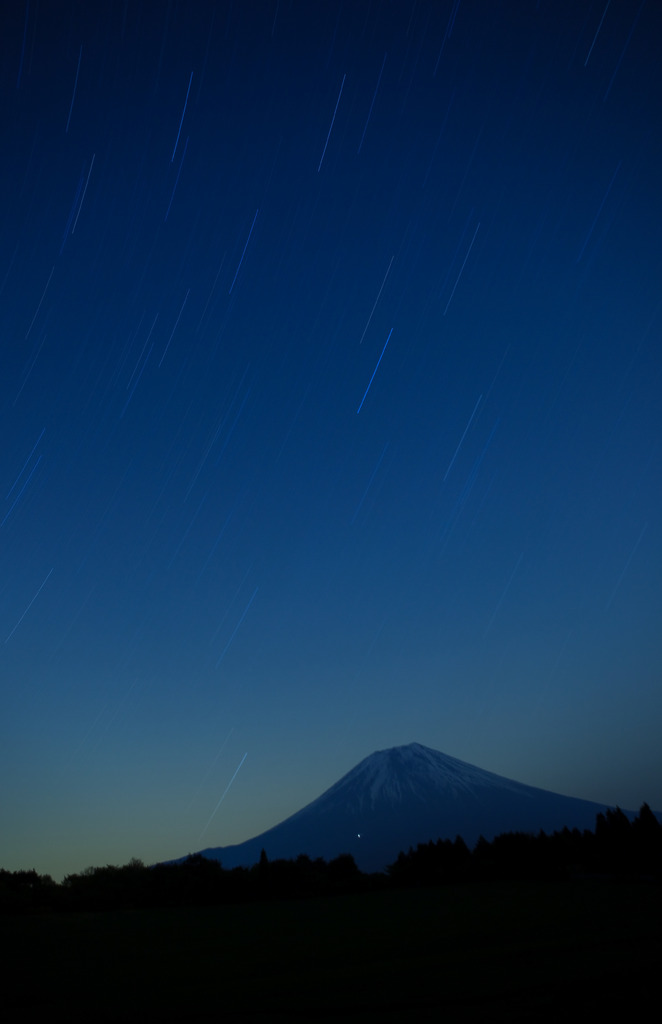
x: 330, y: 370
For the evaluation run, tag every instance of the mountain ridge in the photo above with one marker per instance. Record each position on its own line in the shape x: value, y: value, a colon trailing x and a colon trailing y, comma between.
x: 401, y: 796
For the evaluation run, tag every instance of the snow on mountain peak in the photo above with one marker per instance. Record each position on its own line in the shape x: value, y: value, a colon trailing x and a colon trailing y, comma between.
x: 400, y: 774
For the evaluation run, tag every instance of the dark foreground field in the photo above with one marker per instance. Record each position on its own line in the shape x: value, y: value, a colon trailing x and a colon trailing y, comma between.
x: 501, y: 951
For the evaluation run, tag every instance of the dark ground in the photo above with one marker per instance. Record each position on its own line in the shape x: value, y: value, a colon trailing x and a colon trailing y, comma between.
x: 488, y: 952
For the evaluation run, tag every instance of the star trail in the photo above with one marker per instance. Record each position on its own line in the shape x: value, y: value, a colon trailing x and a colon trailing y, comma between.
x: 227, y: 230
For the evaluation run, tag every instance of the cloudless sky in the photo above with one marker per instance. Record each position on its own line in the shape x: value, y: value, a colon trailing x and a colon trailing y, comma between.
x: 330, y: 372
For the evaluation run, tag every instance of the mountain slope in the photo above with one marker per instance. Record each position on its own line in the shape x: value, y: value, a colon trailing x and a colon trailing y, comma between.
x: 399, y: 797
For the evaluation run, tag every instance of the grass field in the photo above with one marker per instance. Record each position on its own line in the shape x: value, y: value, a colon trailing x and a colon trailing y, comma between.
x: 488, y: 952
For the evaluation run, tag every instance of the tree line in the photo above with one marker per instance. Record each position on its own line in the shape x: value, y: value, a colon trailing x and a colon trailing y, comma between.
x: 617, y: 848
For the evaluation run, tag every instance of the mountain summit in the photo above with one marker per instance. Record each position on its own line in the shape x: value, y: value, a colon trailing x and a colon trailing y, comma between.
x: 402, y: 796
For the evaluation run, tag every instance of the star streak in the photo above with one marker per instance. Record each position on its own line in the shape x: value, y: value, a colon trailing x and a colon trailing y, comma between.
x: 225, y: 792
x: 374, y: 372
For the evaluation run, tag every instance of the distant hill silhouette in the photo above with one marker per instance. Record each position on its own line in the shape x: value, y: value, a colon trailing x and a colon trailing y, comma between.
x: 397, y: 798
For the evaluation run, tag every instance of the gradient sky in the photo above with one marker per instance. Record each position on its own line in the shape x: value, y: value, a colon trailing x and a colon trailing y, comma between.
x: 330, y: 370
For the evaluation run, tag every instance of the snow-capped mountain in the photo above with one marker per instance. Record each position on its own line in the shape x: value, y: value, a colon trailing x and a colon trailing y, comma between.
x: 399, y: 797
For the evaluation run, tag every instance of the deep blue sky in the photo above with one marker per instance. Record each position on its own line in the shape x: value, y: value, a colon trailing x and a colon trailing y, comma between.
x: 330, y: 378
